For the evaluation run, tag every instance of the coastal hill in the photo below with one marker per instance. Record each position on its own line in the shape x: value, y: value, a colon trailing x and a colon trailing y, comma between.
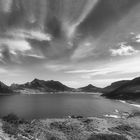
x: 113, y: 86
x: 4, y: 89
x: 128, y: 90
x: 90, y: 88
x: 43, y: 86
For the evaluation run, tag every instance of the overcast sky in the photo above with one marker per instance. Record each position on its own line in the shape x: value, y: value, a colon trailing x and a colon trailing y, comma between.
x: 77, y: 42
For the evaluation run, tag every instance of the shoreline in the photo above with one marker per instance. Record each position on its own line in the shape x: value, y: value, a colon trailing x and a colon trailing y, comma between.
x: 130, y: 103
x: 51, y: 93
x: 55, y: 93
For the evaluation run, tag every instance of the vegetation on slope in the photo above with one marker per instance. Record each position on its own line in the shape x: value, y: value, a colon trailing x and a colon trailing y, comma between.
x: 68, y: 129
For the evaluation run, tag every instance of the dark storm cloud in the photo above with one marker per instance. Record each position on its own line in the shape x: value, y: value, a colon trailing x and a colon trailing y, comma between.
x: 106, y: 13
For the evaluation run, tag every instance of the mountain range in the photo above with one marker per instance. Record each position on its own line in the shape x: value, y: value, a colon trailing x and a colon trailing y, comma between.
x: 37, y: 85
x: 51, y: 86
x: 42, y: 86
x: 126, y: 89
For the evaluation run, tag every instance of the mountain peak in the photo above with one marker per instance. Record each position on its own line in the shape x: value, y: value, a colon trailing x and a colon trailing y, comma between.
x: 90, y: 88
x: 35, y: 80
x: 90, y: 85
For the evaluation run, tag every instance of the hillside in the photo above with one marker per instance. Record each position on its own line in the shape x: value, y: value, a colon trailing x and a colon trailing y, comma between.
x: 129, y: 90
x: 4, y: 89
x: 113, y: 86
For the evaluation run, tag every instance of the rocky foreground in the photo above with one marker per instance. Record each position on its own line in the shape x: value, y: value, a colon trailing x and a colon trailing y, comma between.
x: 12, y: 128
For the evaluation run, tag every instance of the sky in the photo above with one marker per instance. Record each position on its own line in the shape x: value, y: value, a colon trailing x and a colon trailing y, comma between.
x: 76, y: 42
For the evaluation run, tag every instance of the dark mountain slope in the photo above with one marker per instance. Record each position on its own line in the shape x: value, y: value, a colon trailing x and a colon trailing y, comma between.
x: 129, y: 90
x: 114, y: 86
x: 5, y: 89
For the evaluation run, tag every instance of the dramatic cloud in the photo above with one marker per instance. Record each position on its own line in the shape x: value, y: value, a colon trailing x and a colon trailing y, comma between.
x: 76, y: 14
x: 137, y: 38
x: 15, y: 45
x: 28, y: 34
x: 74, y: 41
x: 124, y: 50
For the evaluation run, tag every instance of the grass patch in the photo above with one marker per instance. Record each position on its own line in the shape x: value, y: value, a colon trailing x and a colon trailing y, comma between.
x: 11, y: 124
x: 10, y: 129
x: 106, y: 137
x: 134, y: 114
x: 13, y: 119
x: 73, y: 129
x: 134, y: 132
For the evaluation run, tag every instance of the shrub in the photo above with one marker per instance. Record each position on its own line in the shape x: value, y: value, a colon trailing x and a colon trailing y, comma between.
x: 134, y: 114
x: 10, y: 128
x: 54, y: 138
x: 123, y: 128
x: 11, y: 124
x: 87, y: 121
x: 107, y: 137
x: 11, y: 118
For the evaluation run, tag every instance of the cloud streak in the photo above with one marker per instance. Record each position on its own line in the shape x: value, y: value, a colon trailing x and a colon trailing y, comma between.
x: 130, y: 66
x: 84, y: 50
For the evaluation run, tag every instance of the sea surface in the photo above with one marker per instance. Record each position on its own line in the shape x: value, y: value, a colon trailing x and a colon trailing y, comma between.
x: 61, y: 105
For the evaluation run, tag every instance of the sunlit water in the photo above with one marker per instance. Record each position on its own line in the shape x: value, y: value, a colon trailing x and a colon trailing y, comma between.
x: 60, y: 105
